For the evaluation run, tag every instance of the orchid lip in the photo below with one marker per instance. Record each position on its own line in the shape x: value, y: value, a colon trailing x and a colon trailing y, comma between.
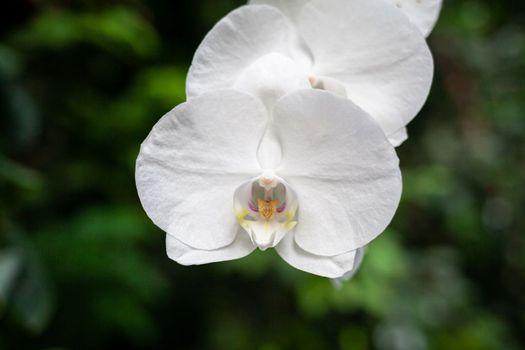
x: 266, y: 209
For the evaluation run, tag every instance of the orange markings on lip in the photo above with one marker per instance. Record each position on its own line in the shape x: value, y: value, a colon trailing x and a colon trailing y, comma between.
x: 267, y: 209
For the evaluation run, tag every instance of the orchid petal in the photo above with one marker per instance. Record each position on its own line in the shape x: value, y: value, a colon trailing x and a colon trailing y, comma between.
x: 399, y: 137
x: 269, y: 152
x: 359, y: 257
x: 235, y: 43
x: 192, y: 162
x: 271, y: 77
x: 291, y: 8
x: 186, y: 255
x: 326, y: 266
x: 380, y: 57
x: 422, y: 13
x: 343, y: 169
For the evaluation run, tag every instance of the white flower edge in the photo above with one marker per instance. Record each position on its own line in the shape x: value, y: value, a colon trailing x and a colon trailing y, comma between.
x: 424, y: 14
x: 186, y: 255
x: 358, y: 260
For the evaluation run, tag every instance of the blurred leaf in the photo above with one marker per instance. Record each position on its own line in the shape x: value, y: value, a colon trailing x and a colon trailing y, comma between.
x: 21, y: 121
x: 153, y: 93
x: 24, y: 118
x: 314, y: 296
x: 427, y: 183
x: 375, y: 284
x: 399, y: 335
x: 119, y: 30
x: 99, y: 255
x: 29, y: 297
x: 386, y: 258
x: 10, y: 266
x: 113, y: 236
x: 9, y: 63
x: 483, y: 332
x: 354, y: 338
x: 251, y: 267
x: 15, y: 174
x: 126, y: 315
x: 32, y: 300
x: 162, y: 84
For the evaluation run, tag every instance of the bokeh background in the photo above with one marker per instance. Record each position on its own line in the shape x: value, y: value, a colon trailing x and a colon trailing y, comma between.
x: 81, y: 266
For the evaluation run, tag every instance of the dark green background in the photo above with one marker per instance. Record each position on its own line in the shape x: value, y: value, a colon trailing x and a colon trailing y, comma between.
x: 81, y: 266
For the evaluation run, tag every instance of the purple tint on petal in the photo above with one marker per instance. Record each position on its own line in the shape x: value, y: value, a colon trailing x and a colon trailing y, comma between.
x: 253, y: 207
x: 281, y: 208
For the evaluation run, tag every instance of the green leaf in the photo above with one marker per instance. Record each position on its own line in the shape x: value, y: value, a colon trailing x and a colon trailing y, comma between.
x: 118, y: 30
x: 29, y: 296
x: 10, y: 267
x: 18, y: 175
x: 33, y: 302
x: 9, y: 63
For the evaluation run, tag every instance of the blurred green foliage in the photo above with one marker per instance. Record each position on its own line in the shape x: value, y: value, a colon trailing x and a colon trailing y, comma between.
x: 81, y: 267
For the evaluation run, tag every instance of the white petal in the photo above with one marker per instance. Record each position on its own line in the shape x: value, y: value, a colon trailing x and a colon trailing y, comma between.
x: 186, y: 255
x: 371, y: 47
x: 291, y: 8
x: 399, y: 137
x: 423, y: 13
x: 343, y: 169
x: 326, y: 266
x: 269, y: 152
x: 271, y: 77
x: 192, y: 162
x: 235, y: 43
x: 360, y: 254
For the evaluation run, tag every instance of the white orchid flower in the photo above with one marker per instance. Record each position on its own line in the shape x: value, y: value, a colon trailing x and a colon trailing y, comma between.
x: 309, y: 174
x: 424, y: 14
x: 359, y: 257
x: 362, y: 50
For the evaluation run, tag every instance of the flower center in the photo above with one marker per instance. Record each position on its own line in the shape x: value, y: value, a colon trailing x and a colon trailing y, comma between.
x: 328, y: 84
x: 266, y: 208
